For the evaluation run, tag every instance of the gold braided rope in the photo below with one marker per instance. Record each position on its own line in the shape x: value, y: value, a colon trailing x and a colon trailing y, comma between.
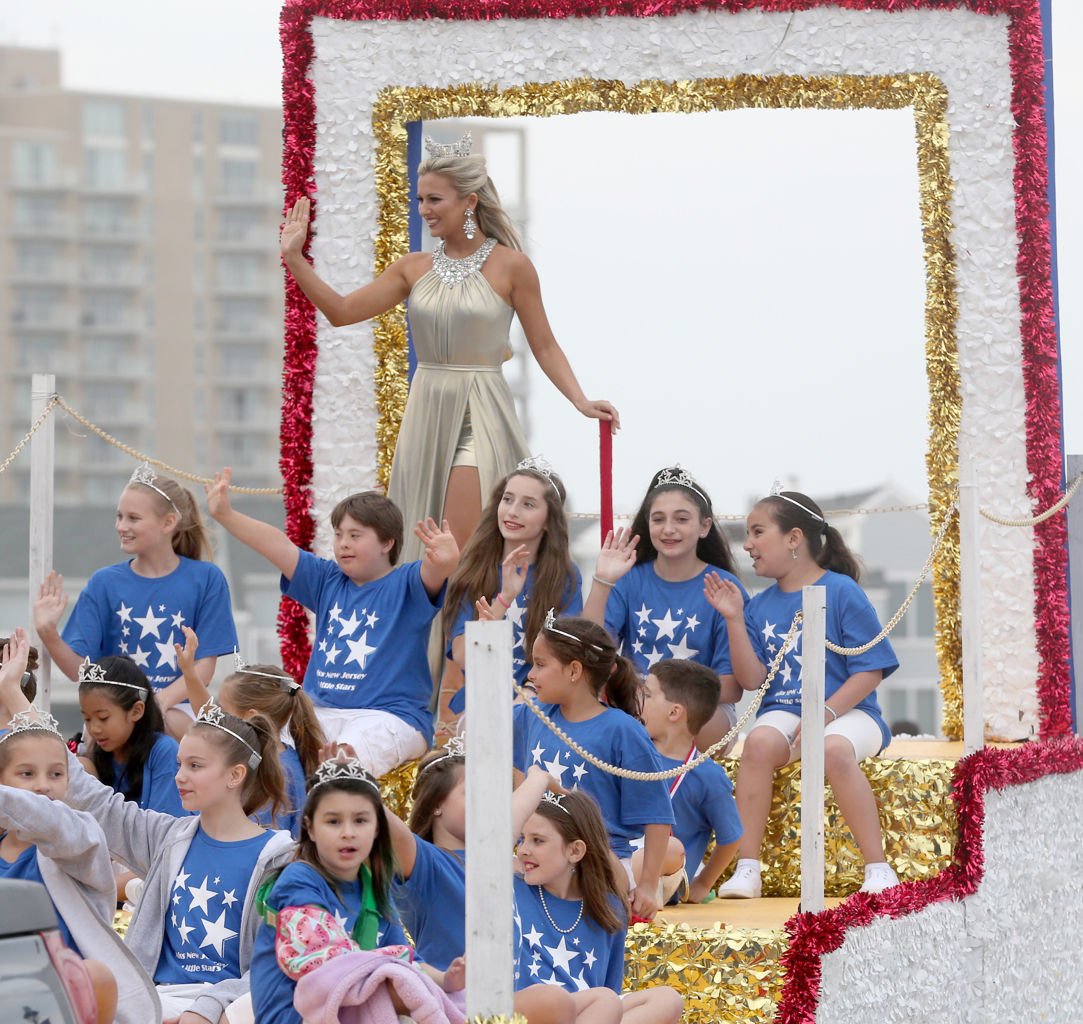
x: 849, y: 652
x: 788, y: 643
x: 34, y: 427
x: 56, y: 399
x: 1041, y: 517
x: 738, y: 517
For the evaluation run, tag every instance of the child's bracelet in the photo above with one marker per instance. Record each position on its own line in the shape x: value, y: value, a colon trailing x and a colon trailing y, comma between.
x: 834, y: 713
x: 604, y: 583
x: 500, y: 598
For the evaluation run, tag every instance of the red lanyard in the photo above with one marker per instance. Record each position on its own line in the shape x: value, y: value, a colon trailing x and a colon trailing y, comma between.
x: 675, y: 784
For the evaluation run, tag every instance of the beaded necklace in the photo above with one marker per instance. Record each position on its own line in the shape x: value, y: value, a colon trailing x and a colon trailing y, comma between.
x: 545, y: 907
x: 452, y: 271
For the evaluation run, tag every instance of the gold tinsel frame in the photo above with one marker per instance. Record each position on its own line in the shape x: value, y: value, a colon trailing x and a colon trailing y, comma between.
x: 924, y: 93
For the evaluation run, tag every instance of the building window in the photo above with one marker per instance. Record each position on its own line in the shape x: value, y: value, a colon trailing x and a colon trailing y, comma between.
x: 37, y: 211
x: 241, y: 225
x: 105, y: 168
x: 106, y: 399
x: 103, y: 119
x: 240, y: 449
x: 108, y: 216
x: 34, y: 163
x: 236, y: 129
x: 240, y: 270
x: 107, y: 264
x: 106, y: 309
x: 38, y: 353
x: 237, y: 405
x: 239, y: 177
x: 107, y: 354
x: 197, y: 125
x: 240, y: 314
x: 37, y: 304
x: 37, y: 258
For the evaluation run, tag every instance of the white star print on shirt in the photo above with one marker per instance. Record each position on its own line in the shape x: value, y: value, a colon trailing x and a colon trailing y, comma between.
x: 228, y: 897
x: 580, y: 984
x: 590, y: 959
x: 371, y: 619
x: 201, y: 896
x: 691, y: 623
x: 333, y: 654
x: 124, y: 612
x: 579, y: 771
x: 533, y: 936
x: 178, y: 620
x: 123, y: 648
x: 167, y: 653
x: 769, y: 631
x: 334, y: 613
x: 181, y: 881
x: 534, y: 968
x: 536, y: 754
x: 347, y: 626
x: 682, y: 650
x: 323, y: 645
x: 654, y: 656
x: 786, y: 672
x: 340, y: 920
x: 359, y: 650
x: 184, y: 928
x: 217, y: 933
x: 562, y: 955
x: 141, y: 657
x: 667, y: 626
x: 150, y: 623
x: 644, y: 613
x: 556, y: 769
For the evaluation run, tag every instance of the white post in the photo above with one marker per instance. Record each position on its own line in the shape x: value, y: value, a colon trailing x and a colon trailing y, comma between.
x: 970, y: 607
x: 42, y: 388
x: 814, y: 610
x: 489, y: 969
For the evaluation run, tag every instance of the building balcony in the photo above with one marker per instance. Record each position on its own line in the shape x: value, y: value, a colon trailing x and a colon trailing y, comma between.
x: 130, y: 230
x: 112, y: 415
x: 61, y: 225
x: 261, y: 330
x: 264, y: 284
x: 60, y: 180
x: 262, y: 194
x: 57, y: 272
x: 112, y: 277
x: 128, y: 322
x: 256, y: 375
x: 135, y: 368
x: 259, y: 425
x: 55, y: 319
x: 251, y: 241
x: 125, y: 185
x: 60, y: 364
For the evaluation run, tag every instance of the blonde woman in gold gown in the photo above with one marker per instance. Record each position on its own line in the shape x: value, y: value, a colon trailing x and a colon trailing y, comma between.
x: 460, y: 433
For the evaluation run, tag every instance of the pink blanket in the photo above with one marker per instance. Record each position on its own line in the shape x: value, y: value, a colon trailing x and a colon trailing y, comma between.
x: 354, y: 989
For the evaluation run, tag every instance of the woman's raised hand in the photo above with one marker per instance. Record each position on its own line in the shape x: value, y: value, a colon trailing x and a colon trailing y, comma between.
x: 600, y: 410
x: 723, y: 596
x: 295, y: 228
x: 617, y: 556
x: 50, y: 605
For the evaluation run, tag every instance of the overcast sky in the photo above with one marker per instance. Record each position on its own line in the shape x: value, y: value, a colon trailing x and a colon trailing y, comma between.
x: 663, y: 249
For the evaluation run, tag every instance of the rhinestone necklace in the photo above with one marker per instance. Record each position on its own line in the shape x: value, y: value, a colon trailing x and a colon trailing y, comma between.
x: 452, y: 271
x: 545, y: 907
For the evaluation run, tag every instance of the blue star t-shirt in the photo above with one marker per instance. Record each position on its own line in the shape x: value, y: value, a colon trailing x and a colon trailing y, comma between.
x: 289, y: 819
x: 121, y: 612
x: 432, y: 902
x: 553, y: 949
x: 301, y: 885
x: 159, y: 789
x: 203, y: 919
x: 656, y: 619
x: 571, y: 603
x: 371, y: 639
x: 851, y: 622
x: 627, y: 805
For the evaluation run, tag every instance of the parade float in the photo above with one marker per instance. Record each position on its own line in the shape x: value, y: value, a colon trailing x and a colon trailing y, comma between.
x: 988, y: 923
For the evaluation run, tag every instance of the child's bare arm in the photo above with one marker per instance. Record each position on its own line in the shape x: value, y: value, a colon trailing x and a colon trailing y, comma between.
x: 261, y: 537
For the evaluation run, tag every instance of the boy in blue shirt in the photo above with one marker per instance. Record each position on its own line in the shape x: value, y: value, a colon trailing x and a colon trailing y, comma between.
x: 679, y: 698
x: 368, y: 675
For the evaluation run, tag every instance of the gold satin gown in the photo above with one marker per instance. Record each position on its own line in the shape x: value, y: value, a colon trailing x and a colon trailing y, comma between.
x: 460, y: 335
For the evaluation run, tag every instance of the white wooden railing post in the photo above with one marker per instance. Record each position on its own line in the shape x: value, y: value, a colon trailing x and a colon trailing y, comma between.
x: 1075, y: 576
x: 42, y: 458
x: 813, y: 653
x: 489, y: 969
x: 970, y: 601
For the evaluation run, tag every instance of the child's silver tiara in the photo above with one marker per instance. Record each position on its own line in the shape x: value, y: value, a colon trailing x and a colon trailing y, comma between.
x: 287, y: 682
x: 89, y: 672
x: 144, y: 474
x: 342, y: 766
x: 677, y: 477
x: 460, y: 148
x: 542, y: 466
x: 549, y: 797
x: 776, y: 492
x: 551, y: 627
x: 33, y: 719
x: 455, y: 747
x: 211, y: 714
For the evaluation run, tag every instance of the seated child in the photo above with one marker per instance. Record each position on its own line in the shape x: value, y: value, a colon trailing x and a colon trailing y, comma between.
x: 368, y: 674
x: 679, y: 697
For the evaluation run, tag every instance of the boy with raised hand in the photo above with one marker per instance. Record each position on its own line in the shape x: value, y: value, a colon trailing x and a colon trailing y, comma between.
x: 368, y: 674
x: 679, y: 698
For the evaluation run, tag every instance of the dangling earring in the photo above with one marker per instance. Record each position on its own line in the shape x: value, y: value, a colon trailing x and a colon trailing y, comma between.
x: 793, y: 551
x: 469, y: 224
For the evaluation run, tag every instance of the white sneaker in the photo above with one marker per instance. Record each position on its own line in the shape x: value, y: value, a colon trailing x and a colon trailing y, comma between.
x: 879, y: 877
x: 744, y: 883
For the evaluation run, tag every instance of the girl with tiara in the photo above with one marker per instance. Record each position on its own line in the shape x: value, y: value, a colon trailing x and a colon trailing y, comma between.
x: 193, y: 927
x: 571, y: 914
x: 516, y: 565
x: 137, y: 607
x: 575, y: 664
x: 459, y: 433
x: 272, y: 692
x: 648, y: 587
x: 44, y: 841
x: 789, y: 541
x: 430, y: 870
x: 334, y: 898
x: 130, y: 752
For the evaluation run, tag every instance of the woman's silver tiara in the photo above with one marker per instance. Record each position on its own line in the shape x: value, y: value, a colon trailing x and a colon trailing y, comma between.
x: 286, y: 681
x: 33, y: 719
x: 776, y: 492
x: 549, y: 797
x: 551, y: 627
x: 460, y: 148
x: 89, y: 672
x: 677, y: 477
x: 144, y: 474
x: 211, y: 714
x: 542, y: 466
x: 342, y: 766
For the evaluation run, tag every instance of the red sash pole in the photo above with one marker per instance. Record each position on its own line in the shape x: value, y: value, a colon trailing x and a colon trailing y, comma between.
x: 605, y: 474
